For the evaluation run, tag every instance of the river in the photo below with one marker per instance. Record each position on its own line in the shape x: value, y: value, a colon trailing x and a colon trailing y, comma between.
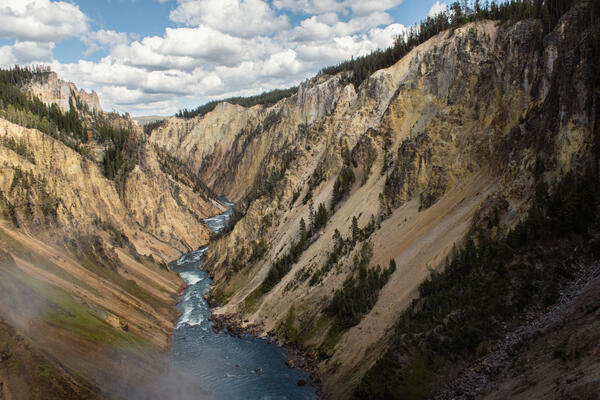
x: 230, y: 368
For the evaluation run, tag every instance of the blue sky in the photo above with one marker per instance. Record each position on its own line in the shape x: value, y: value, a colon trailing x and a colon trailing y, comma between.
x: 157, y: 56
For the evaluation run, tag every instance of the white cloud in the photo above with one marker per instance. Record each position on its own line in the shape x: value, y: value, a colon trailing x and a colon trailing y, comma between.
x: 330, y: 53
x: 203, y: 43
x: 356, y: 7
x: 318, y: 28
x: 342, y: 48
x: 383, y: 38
x: 252, y: 17
x: 103, y: 40
x: 137, y: 101
x: 41, y: 20
x: 218, y: 48
x: 26, y: 53
x: 366, y: 7
x: 33, y: 52
x: 437, y: 8
x: 7, y: 58
x: 311, y: 6
x: 281, y: 64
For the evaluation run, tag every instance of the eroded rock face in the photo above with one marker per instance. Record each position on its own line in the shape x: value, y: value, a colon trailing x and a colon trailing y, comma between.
x: 50, y: 89
x: 72, y: 192
x: 465, y: 123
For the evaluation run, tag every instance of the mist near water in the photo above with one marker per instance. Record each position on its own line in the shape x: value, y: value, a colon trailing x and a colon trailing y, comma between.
x: 131, y: 372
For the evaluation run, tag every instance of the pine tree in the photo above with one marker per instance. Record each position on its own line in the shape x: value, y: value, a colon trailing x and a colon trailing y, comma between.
x: 321, y: 216
x: 303, y: 232
x: 311, y: 215
x: 393, y: 265
x: 355, y: 230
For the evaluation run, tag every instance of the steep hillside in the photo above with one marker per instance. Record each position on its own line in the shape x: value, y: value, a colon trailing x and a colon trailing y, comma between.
x: 352, y: 196
x: 88, y: 224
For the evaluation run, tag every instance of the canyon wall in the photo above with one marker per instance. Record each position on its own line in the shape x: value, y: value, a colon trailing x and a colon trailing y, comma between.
x: 84, y: 275
x: 455, y: 134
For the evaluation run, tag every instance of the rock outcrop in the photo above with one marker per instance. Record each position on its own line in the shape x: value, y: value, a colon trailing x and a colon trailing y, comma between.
x: 50, y: 89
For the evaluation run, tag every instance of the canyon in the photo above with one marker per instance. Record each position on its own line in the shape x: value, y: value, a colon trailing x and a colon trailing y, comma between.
x: 335, y: 185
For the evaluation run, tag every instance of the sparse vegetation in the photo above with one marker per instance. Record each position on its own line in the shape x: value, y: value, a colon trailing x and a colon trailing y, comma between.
x: 19, y: 147
x: 548, y: 11
x: 342, y: 246
x: 25, y: 187
x: 270, y: 181
x: 119, y: 157
x: 149, y: 127
x: 259, y: 248
x: 490, y: 281
x: 359, y: 294
x: 295, y: 196
x: 283, y: 264
x: 342, y: 186
x: 288, y: 327
x: 70, y: 127
x: 317, y: 219
x: 181, y: 172
x: 32, y: 113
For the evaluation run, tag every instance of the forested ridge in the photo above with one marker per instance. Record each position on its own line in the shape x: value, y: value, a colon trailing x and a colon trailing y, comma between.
x: 74, y: 127
x: 33, y: 113
x: 265, y: 99
x: 460, y: 13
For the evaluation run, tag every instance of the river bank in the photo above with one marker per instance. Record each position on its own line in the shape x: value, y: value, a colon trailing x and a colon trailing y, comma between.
x: 296, y: 358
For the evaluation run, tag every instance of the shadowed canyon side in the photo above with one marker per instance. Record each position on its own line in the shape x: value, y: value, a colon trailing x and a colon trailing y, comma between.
x: 353, y: 196
x: 91, y: 214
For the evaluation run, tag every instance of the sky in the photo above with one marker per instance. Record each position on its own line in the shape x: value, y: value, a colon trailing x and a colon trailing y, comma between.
x: 155, y: 57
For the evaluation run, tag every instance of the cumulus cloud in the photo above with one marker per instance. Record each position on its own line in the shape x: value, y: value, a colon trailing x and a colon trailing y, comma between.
x: 437, y: 8
x: 30, y: 52
x: 214, y: 48
x: 365, y: 7
x: 41, y: 20
x: 345, y: 47
x: 252, y: 17
x: 325, y: 27
x: 104, y: 40
x: 356, y: 7
x: 26, y: 53
x: 7, y: 58
x: 311, y: 6
x: 203, y: 43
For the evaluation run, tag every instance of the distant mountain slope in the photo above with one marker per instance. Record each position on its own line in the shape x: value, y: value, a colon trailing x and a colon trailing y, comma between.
x: 145, y: 120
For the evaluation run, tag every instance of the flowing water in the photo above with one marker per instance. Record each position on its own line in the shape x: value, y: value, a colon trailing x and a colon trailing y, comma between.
x: 231, y: 368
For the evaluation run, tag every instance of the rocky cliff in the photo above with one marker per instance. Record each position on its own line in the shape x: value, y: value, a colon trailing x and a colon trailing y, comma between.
x: 456, y: 134
x: 50, y: 89
x: 84, y: 276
